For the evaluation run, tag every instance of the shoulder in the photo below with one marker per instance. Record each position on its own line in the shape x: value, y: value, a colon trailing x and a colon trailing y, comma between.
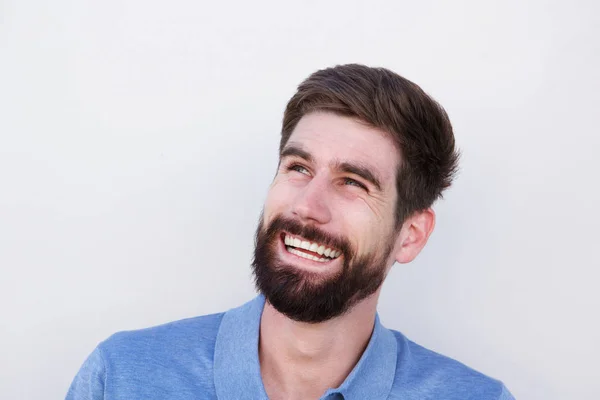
x: 183, y: 338
x: 432, y: 375
x: 179, y: 355
x: 173, y: 360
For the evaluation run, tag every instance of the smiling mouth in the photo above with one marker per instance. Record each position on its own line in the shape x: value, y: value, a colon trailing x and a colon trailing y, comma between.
x: 310, y: 250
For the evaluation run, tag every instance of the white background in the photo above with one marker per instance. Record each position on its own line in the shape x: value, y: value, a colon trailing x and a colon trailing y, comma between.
x: 138, y: 139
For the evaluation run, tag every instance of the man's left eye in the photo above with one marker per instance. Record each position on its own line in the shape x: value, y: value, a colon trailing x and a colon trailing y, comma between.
x: 352, y: 182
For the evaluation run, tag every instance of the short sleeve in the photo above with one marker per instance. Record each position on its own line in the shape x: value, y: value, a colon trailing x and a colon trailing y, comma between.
x: 89, y: 381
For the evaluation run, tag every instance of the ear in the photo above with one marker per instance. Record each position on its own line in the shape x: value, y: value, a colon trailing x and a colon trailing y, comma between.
x: 414, y: 235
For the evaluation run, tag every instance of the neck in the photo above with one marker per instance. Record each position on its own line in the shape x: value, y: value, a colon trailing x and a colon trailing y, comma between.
x: 301, y: 361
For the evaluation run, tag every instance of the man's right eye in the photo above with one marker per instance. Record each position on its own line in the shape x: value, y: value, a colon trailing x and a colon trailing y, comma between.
x: 298, y: 168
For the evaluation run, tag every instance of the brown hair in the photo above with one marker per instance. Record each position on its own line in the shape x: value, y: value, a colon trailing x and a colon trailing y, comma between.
x: 417, y: 124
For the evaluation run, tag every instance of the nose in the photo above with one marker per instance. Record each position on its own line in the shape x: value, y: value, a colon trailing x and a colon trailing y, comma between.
x: 312, y: 202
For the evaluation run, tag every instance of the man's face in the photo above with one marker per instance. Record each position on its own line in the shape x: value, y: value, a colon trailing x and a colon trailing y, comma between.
x: 327, y: 234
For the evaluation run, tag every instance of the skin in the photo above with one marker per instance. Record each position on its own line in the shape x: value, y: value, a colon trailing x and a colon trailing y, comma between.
x: 300, y: 360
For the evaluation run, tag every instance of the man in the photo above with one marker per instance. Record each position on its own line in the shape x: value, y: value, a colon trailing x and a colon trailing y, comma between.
x: 364, y: 154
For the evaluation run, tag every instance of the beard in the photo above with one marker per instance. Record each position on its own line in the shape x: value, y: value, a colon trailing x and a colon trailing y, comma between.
x: 309, y: 296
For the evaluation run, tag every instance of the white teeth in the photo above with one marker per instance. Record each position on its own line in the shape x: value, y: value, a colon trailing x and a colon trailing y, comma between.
x: 314, y: 247
x: 321, y: 249
x: 304, y: 255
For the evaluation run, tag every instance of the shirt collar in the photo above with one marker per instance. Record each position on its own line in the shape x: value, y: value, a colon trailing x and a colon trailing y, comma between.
x: 237, y: 368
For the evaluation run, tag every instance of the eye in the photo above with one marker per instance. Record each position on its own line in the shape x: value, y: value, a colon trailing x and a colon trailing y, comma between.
x: 352, y: 182
x: 298, y: 168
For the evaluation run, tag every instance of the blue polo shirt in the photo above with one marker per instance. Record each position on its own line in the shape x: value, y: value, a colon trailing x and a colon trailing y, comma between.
x: 216, y: 357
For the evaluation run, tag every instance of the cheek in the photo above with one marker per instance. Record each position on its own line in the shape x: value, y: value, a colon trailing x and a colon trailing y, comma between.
x: 278, y: 199
x: 357, y: 225
x: 367, y: 230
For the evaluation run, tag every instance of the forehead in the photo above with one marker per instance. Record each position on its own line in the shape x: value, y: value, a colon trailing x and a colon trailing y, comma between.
x: 328, y: 137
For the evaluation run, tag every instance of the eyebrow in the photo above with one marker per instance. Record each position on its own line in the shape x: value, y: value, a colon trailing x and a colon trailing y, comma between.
x: 295, y: 151
x: 359, y: 169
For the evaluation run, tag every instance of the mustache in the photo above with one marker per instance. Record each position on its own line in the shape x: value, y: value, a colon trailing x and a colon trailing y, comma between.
x: 310, y: 233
